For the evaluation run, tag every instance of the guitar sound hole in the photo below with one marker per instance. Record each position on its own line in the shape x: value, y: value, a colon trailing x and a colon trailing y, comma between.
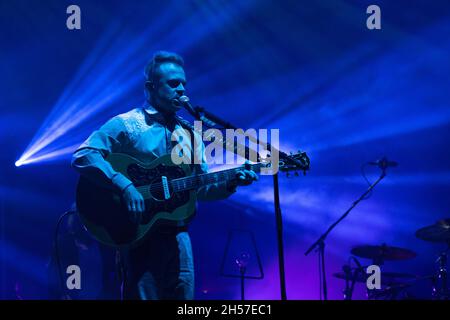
x: 156, y: 190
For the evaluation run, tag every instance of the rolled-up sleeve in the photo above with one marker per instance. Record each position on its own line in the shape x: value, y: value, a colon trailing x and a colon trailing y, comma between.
x: 89, y: 158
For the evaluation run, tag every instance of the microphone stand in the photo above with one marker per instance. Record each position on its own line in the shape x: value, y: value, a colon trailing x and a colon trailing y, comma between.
x: 212, y: 120
x: 320, y: 243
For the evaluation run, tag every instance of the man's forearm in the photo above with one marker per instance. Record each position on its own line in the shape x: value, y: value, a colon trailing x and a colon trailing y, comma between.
x: 91, y: 164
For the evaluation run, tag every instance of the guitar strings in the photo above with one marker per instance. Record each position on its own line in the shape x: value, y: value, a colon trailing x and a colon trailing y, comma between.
x: 208, y: 178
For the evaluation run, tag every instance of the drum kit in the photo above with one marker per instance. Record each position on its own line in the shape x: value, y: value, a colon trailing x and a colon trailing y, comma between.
x: 394, y: 284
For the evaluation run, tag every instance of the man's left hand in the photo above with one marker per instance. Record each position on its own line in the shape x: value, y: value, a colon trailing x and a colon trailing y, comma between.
x: 245, y: 177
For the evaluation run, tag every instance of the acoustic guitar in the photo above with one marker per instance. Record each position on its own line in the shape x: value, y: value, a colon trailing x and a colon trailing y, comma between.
x: 169, y: 192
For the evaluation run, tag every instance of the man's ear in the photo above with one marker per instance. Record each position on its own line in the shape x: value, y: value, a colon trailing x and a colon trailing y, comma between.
x: 149, y: 86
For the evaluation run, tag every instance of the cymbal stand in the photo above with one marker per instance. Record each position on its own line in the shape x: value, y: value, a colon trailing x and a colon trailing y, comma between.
x: 440, y: 286
x: 348, y: 289
x: 350, y: 277
x: 319, y: 245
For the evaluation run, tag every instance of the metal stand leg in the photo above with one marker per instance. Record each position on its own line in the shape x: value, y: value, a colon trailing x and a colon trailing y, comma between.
x: 440, y: 289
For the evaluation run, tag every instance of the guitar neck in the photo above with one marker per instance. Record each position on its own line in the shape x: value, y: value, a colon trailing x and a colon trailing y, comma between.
x: 200, y: 180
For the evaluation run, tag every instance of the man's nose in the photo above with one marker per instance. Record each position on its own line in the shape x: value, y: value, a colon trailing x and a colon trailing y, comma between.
x: 180, y: 89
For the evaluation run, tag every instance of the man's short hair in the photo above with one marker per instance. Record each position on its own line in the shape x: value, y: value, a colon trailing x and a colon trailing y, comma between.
x: 159, y: 58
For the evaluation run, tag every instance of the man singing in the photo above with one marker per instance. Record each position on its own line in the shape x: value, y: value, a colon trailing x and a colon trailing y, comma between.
x: 161, y: 267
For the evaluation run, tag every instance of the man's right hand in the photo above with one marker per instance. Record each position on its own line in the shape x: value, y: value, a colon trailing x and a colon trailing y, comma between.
x: 134, y: 203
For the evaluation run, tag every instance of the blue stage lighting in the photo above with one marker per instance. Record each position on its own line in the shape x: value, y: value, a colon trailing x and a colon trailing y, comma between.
x: 112, y: 70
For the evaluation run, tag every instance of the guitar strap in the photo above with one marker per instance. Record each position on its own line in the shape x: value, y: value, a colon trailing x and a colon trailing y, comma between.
x: 184, y: 123
x: 187, y: 125
x: 171, y: 125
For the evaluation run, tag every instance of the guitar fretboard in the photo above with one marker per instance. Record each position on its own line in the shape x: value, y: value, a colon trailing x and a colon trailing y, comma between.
x: 200, y: 180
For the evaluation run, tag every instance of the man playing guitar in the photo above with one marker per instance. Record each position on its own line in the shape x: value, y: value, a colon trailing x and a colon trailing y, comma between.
x: 161, y: 266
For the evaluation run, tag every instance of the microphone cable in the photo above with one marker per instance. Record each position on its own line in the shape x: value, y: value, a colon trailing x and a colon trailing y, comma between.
x: 56, y: 248
x: 363, y: 173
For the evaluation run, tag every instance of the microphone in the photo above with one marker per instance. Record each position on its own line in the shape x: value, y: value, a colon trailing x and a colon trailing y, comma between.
x: 383, y: 163
x: 185, y: 102
x: 195, y: 113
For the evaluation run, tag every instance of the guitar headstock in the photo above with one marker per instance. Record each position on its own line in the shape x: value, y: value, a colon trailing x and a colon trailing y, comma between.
x: 294, y: 162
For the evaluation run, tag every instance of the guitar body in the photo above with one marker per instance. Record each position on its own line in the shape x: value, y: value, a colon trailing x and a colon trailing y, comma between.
x: 105, y: 216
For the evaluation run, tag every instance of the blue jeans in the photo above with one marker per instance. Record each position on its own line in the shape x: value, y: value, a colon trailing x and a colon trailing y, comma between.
x: 161, y: 268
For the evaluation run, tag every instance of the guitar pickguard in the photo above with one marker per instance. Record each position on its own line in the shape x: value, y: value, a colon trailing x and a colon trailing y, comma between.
x: 141, y: 176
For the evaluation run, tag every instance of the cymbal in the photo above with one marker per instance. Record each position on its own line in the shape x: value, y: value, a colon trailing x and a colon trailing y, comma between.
x: 383, y: 252
x: 387, y: 278
x: 438, y: 232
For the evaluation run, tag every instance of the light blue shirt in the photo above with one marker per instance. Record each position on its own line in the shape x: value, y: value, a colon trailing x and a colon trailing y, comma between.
x: 144, y: 134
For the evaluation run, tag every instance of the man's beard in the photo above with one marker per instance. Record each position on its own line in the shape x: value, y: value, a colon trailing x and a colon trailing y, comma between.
x: 167, y: 106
